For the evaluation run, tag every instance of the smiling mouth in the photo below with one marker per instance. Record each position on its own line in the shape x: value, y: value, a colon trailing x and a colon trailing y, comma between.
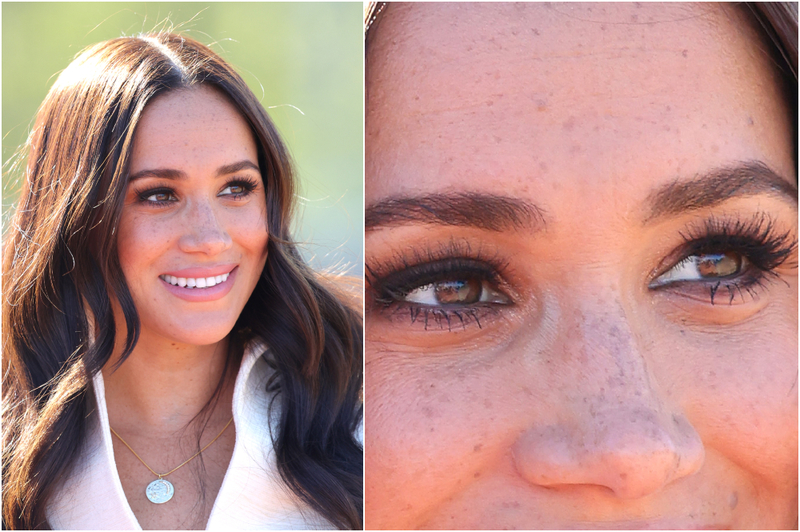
x: 198, y: 282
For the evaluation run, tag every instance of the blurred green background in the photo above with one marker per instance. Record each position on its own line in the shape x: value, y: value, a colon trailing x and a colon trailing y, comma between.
x: 302, y: 60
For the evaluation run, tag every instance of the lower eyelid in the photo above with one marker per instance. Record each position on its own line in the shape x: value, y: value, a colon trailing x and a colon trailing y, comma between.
x: 430, y: 318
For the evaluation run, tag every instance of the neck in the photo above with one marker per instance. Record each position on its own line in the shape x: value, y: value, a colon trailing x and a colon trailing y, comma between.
x: 162, y: 386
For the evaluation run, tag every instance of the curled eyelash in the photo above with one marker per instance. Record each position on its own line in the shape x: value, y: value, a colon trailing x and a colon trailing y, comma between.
x: 757, y: 239
x: 247, y: 183
x: 389, y: 282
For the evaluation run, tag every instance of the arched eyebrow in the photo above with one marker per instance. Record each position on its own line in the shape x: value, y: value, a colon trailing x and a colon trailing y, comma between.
x: 489, y: 212
x: 717, y: 186
x: 169, y: 173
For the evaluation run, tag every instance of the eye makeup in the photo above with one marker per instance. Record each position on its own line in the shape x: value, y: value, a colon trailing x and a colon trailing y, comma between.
x: 450, y: 287
x: 145, y: 196
x: 730, y: 259
x: 727, y: 258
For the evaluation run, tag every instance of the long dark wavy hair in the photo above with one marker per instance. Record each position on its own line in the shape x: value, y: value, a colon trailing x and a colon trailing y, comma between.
x: 61, y: 273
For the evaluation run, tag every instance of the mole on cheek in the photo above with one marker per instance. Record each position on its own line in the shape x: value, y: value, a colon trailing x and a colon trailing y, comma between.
x: 734, y: 500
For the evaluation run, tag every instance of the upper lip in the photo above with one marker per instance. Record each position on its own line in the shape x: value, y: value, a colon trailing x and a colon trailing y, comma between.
x: 202, y: 271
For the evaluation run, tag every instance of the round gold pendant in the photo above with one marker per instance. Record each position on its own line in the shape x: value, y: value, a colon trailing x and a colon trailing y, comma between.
x: 160, y: 491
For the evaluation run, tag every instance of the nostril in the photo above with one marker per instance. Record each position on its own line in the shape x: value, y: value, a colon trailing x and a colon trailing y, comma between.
x: 633, y: 453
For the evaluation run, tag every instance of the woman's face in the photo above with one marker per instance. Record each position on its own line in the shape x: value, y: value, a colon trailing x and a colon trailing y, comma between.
x: 193, y: 231
x: 581, y: 261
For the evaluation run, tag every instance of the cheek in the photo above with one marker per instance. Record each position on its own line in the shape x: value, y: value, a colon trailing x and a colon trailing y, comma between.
x: 139, y: 242
x: 437, y: 426
x: 248, y: 229
x: 743, y: 398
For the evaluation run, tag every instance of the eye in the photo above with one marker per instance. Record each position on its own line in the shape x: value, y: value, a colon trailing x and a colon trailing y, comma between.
x: 456, y: 292
x: 160, y: 196
x: 704, y: 267
x: 238, y: 189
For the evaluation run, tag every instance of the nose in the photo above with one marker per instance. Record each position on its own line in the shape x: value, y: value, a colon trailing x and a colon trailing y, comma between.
x: 616, y: 428
x: 203, y: 231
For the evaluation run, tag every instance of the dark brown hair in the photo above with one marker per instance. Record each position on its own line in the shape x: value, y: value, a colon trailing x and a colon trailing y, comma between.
x: 61, y: 274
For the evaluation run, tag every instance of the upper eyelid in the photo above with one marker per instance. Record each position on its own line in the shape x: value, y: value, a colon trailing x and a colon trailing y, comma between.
x: 169, y: 186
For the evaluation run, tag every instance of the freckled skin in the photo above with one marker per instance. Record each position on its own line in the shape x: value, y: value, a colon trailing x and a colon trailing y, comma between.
x: 592, y: 402
x: 194, y: 131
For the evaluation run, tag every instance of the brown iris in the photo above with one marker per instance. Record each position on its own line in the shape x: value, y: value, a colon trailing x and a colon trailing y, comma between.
x: 711, y: 265
x: 460, y: 292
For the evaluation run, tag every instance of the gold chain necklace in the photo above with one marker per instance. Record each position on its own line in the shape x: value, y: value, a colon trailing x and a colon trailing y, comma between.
x: 160, y: 490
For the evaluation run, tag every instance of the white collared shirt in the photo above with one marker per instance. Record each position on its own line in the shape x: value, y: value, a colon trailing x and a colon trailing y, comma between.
x: 252, y: 495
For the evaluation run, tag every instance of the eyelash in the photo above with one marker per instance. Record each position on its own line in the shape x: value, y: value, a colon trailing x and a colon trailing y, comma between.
x: 248, y: 185
x: 391, y: 282
x: 757, y: 240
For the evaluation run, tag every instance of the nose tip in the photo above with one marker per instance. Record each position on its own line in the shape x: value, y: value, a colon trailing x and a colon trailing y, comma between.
x: 633, y: 453
x: 204, y: 232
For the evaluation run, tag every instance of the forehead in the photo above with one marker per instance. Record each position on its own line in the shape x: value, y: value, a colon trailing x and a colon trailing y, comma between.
x: 528, y: 95
x: 191, y: 127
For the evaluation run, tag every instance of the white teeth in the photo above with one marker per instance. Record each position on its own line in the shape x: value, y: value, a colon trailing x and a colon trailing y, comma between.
x: 200, y: 282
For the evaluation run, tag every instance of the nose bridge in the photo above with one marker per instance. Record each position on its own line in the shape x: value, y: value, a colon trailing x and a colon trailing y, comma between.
x: 618, y: 429
x: 204, y: 230
x: 600, y: 338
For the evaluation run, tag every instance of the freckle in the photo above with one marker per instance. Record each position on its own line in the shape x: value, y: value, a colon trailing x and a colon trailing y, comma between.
x: 543, y: 167
x: 714, y: 148
x: 476, y: 475
x: 497, y: 139
x: 734, y: 500
x: 575, y: 148
x: 477, y: 448
x: 536, y: 32
x: 623, y: 476
x: 569, y: 124
x: 416, y: 97
x: 685, y: 53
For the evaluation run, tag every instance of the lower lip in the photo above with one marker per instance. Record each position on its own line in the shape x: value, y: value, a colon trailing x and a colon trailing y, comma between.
x: 198, y: 295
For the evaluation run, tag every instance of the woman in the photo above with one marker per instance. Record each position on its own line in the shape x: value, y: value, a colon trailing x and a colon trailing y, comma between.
x: 169, y: 360
x: 581, y: 257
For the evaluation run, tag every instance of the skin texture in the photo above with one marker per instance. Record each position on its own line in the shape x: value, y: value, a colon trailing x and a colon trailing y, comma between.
x: 585, y: 398
x: 203, y: 223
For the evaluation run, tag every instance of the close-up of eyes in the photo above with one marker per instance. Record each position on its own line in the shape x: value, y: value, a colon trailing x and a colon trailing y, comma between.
x: 721, y: 260
x: 238, y: 188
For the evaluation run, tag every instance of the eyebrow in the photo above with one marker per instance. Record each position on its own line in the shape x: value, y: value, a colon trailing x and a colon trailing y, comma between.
x: 489, y: 212
x: 169, y: 173
x: 717, y: 186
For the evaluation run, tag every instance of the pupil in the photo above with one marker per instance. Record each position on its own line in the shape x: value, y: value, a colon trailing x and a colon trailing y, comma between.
x: 718, y: 264
x: 458, y: 292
